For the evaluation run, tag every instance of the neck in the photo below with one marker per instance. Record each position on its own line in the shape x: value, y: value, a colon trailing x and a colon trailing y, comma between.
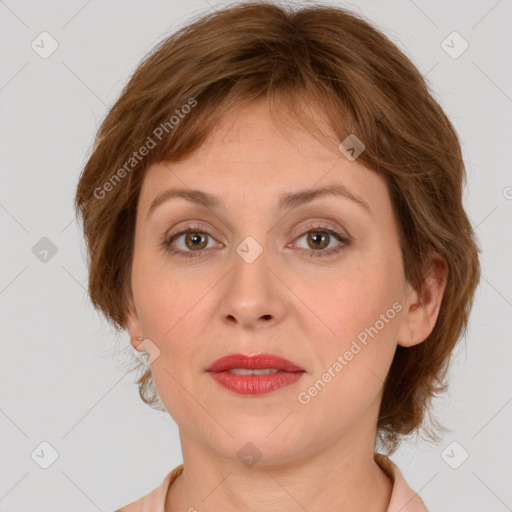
x: 342, y: 476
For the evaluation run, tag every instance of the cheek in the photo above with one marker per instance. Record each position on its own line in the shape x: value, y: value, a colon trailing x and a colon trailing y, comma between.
x: 355, y: 299
x: 164, y: 296
x: 355, y: 354
x: 359, y: 311
x: 174, y: 308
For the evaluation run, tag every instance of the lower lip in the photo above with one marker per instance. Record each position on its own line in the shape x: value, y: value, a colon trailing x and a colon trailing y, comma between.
x: 255, y: 384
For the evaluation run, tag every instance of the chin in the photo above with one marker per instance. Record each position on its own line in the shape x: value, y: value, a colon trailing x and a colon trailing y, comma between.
x: 261, y: 444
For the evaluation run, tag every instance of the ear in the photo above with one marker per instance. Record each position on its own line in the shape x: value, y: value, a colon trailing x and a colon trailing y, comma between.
x: 134, y: 329
x: 422, y: 304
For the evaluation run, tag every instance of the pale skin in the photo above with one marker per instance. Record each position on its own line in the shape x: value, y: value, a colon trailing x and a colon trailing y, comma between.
x: 316, y: 456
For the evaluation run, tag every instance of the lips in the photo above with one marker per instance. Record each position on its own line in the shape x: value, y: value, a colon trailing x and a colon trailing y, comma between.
x: 285, y: 373
x: 260, y: 361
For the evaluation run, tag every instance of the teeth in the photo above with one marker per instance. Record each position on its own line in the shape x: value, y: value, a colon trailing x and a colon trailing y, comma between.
x: 245, y: 371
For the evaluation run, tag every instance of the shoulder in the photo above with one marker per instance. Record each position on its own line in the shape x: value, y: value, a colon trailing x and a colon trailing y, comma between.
x: 154, y: 501
x: 403, y: 498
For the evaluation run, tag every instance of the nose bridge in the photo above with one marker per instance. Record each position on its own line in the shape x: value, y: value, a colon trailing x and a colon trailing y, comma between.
x: 251, y: 295
x: 250, y: 274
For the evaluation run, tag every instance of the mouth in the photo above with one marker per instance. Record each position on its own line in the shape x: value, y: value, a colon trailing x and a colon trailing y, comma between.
x: 255, y: 375
x: 268, y: 362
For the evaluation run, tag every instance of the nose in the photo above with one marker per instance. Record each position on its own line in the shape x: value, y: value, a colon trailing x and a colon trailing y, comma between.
x: 252, y: 296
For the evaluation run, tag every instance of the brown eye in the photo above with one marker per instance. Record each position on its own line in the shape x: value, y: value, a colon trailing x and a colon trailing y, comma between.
x: 192, y: 242
x: 189, y: 242
x: 196, y: 240
x: 318, y: 240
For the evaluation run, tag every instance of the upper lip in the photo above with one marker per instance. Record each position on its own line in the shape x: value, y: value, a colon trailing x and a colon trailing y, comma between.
x: 255, y: 362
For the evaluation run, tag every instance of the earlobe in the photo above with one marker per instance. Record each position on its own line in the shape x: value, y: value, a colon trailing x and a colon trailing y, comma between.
x: 133, y: 326
x: 423, y: 303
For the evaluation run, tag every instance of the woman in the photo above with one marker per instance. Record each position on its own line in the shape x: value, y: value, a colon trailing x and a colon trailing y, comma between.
x: 273, y: 211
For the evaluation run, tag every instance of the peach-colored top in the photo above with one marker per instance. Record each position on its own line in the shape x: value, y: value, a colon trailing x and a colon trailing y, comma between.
x: 403, y: 498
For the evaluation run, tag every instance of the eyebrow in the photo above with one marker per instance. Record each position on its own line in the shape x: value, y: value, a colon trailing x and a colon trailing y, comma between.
x: 286, y: 201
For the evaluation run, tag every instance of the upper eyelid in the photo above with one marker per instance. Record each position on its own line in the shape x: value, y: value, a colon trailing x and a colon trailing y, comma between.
x: 319, y: 224
x: 315, y: 225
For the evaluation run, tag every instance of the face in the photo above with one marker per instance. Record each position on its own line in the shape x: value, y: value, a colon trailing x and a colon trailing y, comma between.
x: 319, y: 282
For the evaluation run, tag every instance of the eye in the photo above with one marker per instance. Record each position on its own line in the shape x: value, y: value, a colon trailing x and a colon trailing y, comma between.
x: 192, y: 241
x: 195, y: 240
x: 319, y: 238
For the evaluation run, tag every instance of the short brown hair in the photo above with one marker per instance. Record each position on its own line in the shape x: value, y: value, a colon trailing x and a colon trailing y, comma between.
x: 364, y: 85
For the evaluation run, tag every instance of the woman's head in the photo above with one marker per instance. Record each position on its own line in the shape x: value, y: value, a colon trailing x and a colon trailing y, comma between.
x: 252, y: 105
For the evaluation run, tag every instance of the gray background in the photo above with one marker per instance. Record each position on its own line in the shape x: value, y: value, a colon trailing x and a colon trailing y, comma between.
x: 59, y: 381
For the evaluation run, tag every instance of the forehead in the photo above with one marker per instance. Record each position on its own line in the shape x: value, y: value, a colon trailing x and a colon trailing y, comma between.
x: 249, y: 154
x: 253, y: 130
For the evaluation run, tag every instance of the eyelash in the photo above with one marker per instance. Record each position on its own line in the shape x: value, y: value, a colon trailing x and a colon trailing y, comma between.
x: 321, y: 228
